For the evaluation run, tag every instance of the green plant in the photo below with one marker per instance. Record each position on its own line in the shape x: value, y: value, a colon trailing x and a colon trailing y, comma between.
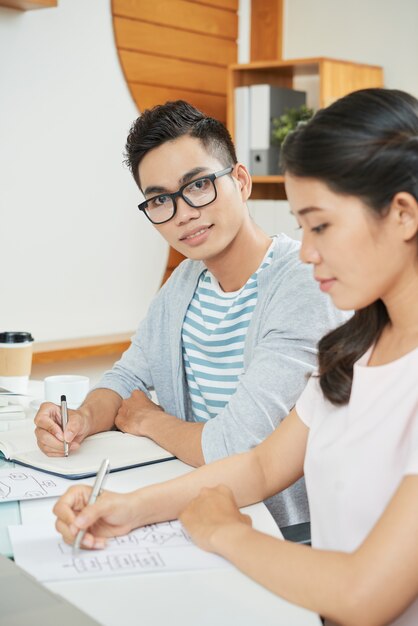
x: 288, y: 121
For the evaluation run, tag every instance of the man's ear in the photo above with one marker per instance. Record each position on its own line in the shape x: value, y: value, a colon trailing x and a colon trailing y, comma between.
x: 244, y: 181
x: 404, y: 208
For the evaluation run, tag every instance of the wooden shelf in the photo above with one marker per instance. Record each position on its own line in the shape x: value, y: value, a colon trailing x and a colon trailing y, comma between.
x: 323, y: 79
x: 28, y: 5
x: 268, y: 188
x: 69, y: 349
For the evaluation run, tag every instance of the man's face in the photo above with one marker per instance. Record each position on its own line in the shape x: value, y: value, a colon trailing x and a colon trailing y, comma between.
x: 197, y: 233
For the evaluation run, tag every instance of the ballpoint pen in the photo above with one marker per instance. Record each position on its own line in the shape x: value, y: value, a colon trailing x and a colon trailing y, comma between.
x: 97, y: 487
x: 64, y: 418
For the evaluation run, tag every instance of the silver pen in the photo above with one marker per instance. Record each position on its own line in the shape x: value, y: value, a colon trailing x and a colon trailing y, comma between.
x: 64, y: 418
x: 97, y: 488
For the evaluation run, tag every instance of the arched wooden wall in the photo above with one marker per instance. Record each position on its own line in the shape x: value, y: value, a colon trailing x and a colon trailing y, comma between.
x: 171, y: 49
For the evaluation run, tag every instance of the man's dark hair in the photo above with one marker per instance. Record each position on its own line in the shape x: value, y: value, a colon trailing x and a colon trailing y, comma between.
x: 169, y: 121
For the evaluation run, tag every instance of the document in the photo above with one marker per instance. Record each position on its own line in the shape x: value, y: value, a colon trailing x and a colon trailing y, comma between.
x: 26, y: 484
x: 123, y: 451
x: 164, y: 547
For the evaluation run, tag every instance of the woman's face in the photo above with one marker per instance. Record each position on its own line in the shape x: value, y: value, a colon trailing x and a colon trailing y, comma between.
x: 357, y: 258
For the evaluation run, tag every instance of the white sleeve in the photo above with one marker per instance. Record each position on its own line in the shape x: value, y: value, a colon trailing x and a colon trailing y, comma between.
x: 310, y: 400
x: 412, y: 460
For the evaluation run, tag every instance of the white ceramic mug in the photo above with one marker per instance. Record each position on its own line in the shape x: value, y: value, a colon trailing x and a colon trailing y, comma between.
x: 74, y: 387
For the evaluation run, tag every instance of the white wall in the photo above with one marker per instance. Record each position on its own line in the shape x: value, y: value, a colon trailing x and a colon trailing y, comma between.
x: 379, y: 32
x: 76, y: 257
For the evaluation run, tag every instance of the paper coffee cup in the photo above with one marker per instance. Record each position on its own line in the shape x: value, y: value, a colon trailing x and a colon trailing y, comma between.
x: 15, y: 360
x: 74, y: 387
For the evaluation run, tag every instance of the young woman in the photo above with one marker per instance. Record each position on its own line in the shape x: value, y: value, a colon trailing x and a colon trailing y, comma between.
x: 352, y: 183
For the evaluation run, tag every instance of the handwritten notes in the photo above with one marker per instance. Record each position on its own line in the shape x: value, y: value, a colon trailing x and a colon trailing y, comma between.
x: 155, y: 548
x: 20, y: 483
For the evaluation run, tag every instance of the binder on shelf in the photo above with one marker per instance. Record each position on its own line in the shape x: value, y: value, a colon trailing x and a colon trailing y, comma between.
x: 266, y: 103
x: 242, y: 124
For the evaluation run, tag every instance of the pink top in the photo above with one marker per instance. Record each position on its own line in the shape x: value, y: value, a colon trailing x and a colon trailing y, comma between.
x: 357, y: 454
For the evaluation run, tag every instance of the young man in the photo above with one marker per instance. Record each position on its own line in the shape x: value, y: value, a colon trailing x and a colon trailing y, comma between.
x: 230, y: 339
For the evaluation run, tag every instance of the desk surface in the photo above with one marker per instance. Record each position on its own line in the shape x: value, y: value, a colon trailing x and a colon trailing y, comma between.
x: 196, y: 598
x: 221, y: 598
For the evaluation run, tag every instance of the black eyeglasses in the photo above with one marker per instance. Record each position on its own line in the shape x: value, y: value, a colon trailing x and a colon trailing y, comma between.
x: 198, y: 193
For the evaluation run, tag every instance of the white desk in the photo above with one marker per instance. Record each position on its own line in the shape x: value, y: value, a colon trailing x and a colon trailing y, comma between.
x: 224, y: 597
x: 198, y: 598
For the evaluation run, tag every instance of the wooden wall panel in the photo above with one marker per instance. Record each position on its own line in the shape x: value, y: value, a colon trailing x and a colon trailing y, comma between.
x: 231, y: 5
x: 266, y: 30
x: 174, y: 259
x: 149, y: 96
x: 166, y: 72
x: 182, y: 14
x: 177, y: 49
x: 171, y: 42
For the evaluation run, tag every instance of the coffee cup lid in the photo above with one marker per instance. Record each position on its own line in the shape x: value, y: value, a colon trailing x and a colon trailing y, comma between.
x: 15, y: 337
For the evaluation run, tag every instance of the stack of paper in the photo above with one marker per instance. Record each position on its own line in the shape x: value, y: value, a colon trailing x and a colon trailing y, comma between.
x: 9, y: 412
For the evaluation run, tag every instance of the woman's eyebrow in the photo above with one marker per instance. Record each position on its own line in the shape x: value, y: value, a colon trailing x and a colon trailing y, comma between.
x: 308, y: 209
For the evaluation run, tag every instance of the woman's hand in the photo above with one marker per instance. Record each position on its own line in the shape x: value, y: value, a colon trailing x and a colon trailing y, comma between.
x: 111, y: 515
x: 212, y: 511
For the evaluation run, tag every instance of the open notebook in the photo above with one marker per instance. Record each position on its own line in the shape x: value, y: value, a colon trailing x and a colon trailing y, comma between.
x: 123, y: 450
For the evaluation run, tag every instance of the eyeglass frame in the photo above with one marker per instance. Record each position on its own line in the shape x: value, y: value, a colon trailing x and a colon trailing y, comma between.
x: 142, y: 206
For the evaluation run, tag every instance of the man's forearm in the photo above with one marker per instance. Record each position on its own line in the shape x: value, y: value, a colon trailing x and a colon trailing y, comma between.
x: 100, y: 408
x: 183, y: 439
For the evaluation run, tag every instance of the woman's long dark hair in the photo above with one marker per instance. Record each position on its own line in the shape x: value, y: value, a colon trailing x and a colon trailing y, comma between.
x: 364, y: 145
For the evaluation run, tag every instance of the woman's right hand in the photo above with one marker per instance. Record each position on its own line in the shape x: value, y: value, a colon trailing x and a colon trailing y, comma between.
x: 111, y: 515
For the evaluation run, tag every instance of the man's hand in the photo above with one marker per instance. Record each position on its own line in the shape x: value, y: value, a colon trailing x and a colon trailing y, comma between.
x: 140, y: 416
x: 49, y: 433
x: 213, y: 511
x: 135, y: 412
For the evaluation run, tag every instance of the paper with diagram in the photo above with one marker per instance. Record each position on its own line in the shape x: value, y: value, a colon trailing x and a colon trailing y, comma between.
x: 25, y: 484
x: 162, y: 547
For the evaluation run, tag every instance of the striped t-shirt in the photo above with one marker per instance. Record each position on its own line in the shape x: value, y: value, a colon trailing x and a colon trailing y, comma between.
x: 213, y: 338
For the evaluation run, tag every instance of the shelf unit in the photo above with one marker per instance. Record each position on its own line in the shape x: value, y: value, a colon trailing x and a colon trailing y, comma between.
x: 324, y: 80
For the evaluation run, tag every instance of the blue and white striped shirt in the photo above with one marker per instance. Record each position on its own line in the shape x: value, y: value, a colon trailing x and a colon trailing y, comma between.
x: 213, y: 338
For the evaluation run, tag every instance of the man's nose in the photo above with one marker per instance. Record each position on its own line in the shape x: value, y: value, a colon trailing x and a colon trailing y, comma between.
x: 185, y: 212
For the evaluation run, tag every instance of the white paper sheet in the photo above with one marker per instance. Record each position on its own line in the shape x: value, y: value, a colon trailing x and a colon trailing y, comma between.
x: 20, y: 483
x: 156, y: 548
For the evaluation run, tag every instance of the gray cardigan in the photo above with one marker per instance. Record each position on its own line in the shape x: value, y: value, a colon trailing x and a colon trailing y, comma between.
x: 280, y: 352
